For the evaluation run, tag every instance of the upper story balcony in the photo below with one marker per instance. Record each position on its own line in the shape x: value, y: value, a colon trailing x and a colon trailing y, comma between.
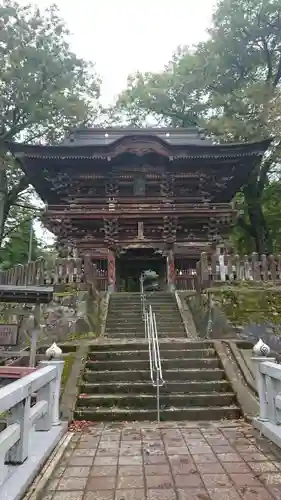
x: 135, y: 207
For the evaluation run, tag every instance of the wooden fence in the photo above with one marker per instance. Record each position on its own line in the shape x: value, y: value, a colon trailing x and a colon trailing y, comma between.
x: 65, y: 271
x: 186, y: 279
x: 210, y: 269
x: 235, y: 268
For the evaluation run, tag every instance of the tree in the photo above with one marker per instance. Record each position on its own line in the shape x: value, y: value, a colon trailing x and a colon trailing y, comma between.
x: 44, y: 87
x: 229, y: 84
x: 174, y: 97
x: 15, y: 249
x: 242, y: 67
x: 272, y: 212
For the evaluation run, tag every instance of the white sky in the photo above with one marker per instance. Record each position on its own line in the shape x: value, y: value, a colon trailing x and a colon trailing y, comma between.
x: 123, y: 36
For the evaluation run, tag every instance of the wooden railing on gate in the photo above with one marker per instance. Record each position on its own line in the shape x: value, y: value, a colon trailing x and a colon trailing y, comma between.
x: 214, y: 269
x: 186, y: 279
x: 38, y: 273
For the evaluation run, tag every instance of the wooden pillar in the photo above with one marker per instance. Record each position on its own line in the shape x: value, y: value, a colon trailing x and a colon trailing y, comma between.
x: 171, y: 270
x: 111, y: 270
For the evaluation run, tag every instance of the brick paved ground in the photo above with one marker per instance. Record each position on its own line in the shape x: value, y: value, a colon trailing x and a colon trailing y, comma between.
x: 184, y: 461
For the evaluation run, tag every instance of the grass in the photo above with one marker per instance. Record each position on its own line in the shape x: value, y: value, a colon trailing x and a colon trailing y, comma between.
x: 243, y: 306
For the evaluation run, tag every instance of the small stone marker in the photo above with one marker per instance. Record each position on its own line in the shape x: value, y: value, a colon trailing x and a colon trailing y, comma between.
x: 8, y: 334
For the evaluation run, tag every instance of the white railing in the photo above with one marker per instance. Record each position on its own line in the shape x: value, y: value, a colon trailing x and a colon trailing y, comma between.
x: 22, y: 418
x: 268, y: 384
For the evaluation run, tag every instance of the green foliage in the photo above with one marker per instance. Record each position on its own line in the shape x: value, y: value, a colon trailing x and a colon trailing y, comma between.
x: 245, y: 306
x: 272, y: 212
x: 15, y: 249
x: 68, y: 364
x: 45, y: 88
x: 173, y: 97
x: 229, y: 84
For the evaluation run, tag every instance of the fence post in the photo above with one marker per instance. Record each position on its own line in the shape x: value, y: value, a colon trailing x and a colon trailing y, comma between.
x: 59, y: 364
x: 20, y: 415
x: 46, y: 393
x: 205, y: 274
x: 261, y: 386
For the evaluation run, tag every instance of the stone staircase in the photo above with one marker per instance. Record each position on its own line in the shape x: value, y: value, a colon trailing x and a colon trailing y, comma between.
x: 116, y: 383
x: 168, y: 318
x: 124, y: 316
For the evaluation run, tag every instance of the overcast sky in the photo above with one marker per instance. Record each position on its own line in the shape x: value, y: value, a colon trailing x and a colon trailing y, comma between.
x: 123, y: 36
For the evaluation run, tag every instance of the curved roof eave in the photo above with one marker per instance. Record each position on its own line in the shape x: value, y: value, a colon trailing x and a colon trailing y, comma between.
x: 24, y: 149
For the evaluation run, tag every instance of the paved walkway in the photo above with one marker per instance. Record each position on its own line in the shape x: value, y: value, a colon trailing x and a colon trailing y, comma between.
x: 184, y: 461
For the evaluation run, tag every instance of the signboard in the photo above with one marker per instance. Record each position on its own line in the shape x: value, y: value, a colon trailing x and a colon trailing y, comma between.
x: 8, y: 334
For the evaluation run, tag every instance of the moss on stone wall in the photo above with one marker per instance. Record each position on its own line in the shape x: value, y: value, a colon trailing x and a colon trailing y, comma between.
x: 68, y: 363
x: 244, y: 305
x: 73, y: 337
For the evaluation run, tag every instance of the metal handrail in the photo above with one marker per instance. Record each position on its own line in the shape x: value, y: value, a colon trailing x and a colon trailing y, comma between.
x: 151, y: 334
x: 143, y: 298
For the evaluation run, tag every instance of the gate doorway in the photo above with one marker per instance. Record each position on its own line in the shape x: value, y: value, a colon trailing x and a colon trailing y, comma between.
x: 133, y: 262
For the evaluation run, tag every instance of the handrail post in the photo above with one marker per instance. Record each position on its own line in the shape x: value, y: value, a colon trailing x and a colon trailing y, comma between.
x: 16, y: 440
x: 59, y: 364
x: 261, y: 386
x: 18, y: 453
x: 158, y: 397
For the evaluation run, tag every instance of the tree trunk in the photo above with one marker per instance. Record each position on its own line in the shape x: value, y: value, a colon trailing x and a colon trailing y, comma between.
x: 258, y: 225
x: 261, y: 235
x: 3, y: 195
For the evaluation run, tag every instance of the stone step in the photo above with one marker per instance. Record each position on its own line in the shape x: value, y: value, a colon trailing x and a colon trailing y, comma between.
x: 135, y: 294
x: 208, y: 374
x: 139, y: 335
x: 124, y: 300
x: 126, y: 327
x: 125, y: 311
x: 148, y: 401
x: 169, y: 326
x: 131, y: 315
x: 138, y: 302
x: 120, y: 319
x: 120, y: 322
x: 159, y: 301
x: 179, y: 387
x: 143, y: 354
x: 124, y: 306
x: 126, y: 324
x: 140, y: 329
x: 138, y: 308
x: 131, y: 326
x: 139, y: 345
x: 167, y: 313
x: 195, y: 413
x: 167, y: 364
x: 163, y: 305
x: 125, y: 314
